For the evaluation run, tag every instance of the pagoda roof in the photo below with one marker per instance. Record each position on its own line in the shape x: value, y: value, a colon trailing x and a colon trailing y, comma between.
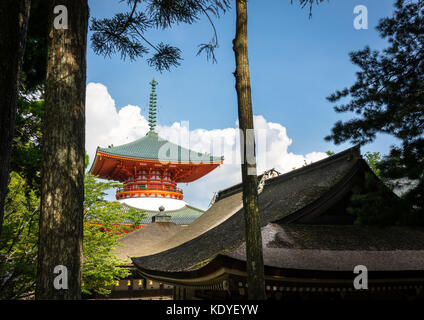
x: 149, y: 147
x: 118, y: 163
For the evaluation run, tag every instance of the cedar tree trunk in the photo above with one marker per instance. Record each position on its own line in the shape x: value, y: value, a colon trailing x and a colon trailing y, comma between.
x: 14, y: 15
x: 255, y: 264
x: 62, y: 190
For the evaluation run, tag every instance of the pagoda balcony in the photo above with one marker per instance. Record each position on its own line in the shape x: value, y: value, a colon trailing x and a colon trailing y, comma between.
x: 162, y: 190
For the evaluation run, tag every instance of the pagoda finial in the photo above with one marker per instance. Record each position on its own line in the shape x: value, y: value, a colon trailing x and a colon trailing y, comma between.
x: 152, y: 106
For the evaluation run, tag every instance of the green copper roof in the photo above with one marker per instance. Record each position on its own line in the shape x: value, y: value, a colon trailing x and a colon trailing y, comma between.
x: 183, y: 216
x: 153, y: 147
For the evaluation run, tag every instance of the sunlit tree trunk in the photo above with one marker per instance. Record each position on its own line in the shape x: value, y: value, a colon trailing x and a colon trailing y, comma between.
x: 62, y: 190
x: 255, y: 265
x: 14, y: 15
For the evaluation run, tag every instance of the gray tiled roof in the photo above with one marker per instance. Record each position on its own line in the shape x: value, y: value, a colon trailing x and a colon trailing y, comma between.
x: 340, y: 248
x: 307, y: 247
x: 281, y: 197
x: 137, y: 242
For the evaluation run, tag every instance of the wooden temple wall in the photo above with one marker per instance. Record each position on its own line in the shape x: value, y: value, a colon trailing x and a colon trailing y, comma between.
x: 139, y: 288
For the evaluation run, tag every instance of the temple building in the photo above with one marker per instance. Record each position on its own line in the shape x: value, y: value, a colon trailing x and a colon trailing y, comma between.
x: 150, y: 169
x: 311, y: 245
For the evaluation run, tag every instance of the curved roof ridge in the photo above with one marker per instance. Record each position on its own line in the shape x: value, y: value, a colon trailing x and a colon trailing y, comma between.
x: 195, y: 208
x: 353, y: 151
x: 166, y: 211
x: 147, y: 147
x: 276, y: 201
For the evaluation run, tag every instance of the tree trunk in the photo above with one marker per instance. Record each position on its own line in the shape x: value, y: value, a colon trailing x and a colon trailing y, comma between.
x: 62, y: 190
x: 255, y: 264
x: 14, y: 15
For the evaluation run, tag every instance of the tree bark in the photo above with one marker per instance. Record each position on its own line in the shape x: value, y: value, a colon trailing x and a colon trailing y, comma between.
x: 14, y: 16
x: 62, y: 190
x: 255, y: 264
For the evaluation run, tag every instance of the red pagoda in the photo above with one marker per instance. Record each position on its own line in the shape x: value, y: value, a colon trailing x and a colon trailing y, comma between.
x: 150, y: 169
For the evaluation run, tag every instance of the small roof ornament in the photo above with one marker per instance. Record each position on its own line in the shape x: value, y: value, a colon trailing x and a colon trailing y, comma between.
x: 161, y: 216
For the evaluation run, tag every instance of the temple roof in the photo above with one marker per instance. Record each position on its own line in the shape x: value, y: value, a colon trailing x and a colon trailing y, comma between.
x: 144, y: 238
x: 339, y: 248
x: 153, y: 147
x: 183, y: 216
x: 148, y: 237
x: 310, y: 256
x: 288, y: 198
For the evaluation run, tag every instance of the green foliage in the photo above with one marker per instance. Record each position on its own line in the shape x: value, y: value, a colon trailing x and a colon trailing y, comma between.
x: 104, y: 222
x: 374, y: 161
x: 388, y: 97
x: 330, y: 153
x: 377, y: 205
x: 26, y: 144
x: 100, y: 266
x: 18, y: 243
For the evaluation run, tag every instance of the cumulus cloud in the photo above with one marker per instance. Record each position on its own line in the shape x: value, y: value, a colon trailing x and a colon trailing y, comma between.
x: 106, y: 125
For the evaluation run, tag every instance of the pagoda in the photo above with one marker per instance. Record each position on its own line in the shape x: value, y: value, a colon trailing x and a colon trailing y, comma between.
x: 150, y: 169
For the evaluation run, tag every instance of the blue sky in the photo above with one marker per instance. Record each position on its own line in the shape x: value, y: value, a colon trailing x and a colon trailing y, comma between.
x: 295, y: 63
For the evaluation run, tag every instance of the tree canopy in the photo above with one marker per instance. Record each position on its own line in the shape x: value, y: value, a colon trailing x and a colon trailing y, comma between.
x: 18, y: 241
x: 104, y: 224
x: 388, y: 98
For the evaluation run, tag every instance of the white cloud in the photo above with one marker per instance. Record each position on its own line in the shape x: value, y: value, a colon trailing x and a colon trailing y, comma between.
x: 105, y: 126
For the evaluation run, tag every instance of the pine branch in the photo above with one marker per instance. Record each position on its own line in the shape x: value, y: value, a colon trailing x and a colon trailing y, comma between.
x: 124, y: 33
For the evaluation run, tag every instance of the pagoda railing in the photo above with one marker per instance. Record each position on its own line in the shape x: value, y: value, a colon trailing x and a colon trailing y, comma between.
x: 145, y: 189
x: 148, y: 180
x: 158, y: 188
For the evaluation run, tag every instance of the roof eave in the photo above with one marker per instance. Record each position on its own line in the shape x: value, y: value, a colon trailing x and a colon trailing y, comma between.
x: 202, y: 162
x: 94, y: 162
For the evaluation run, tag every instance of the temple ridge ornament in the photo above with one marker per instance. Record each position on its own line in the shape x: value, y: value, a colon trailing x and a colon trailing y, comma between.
x: 268, y: 174
x: 271, y: 173
x: 215, y: 195
x: 161, y: 216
